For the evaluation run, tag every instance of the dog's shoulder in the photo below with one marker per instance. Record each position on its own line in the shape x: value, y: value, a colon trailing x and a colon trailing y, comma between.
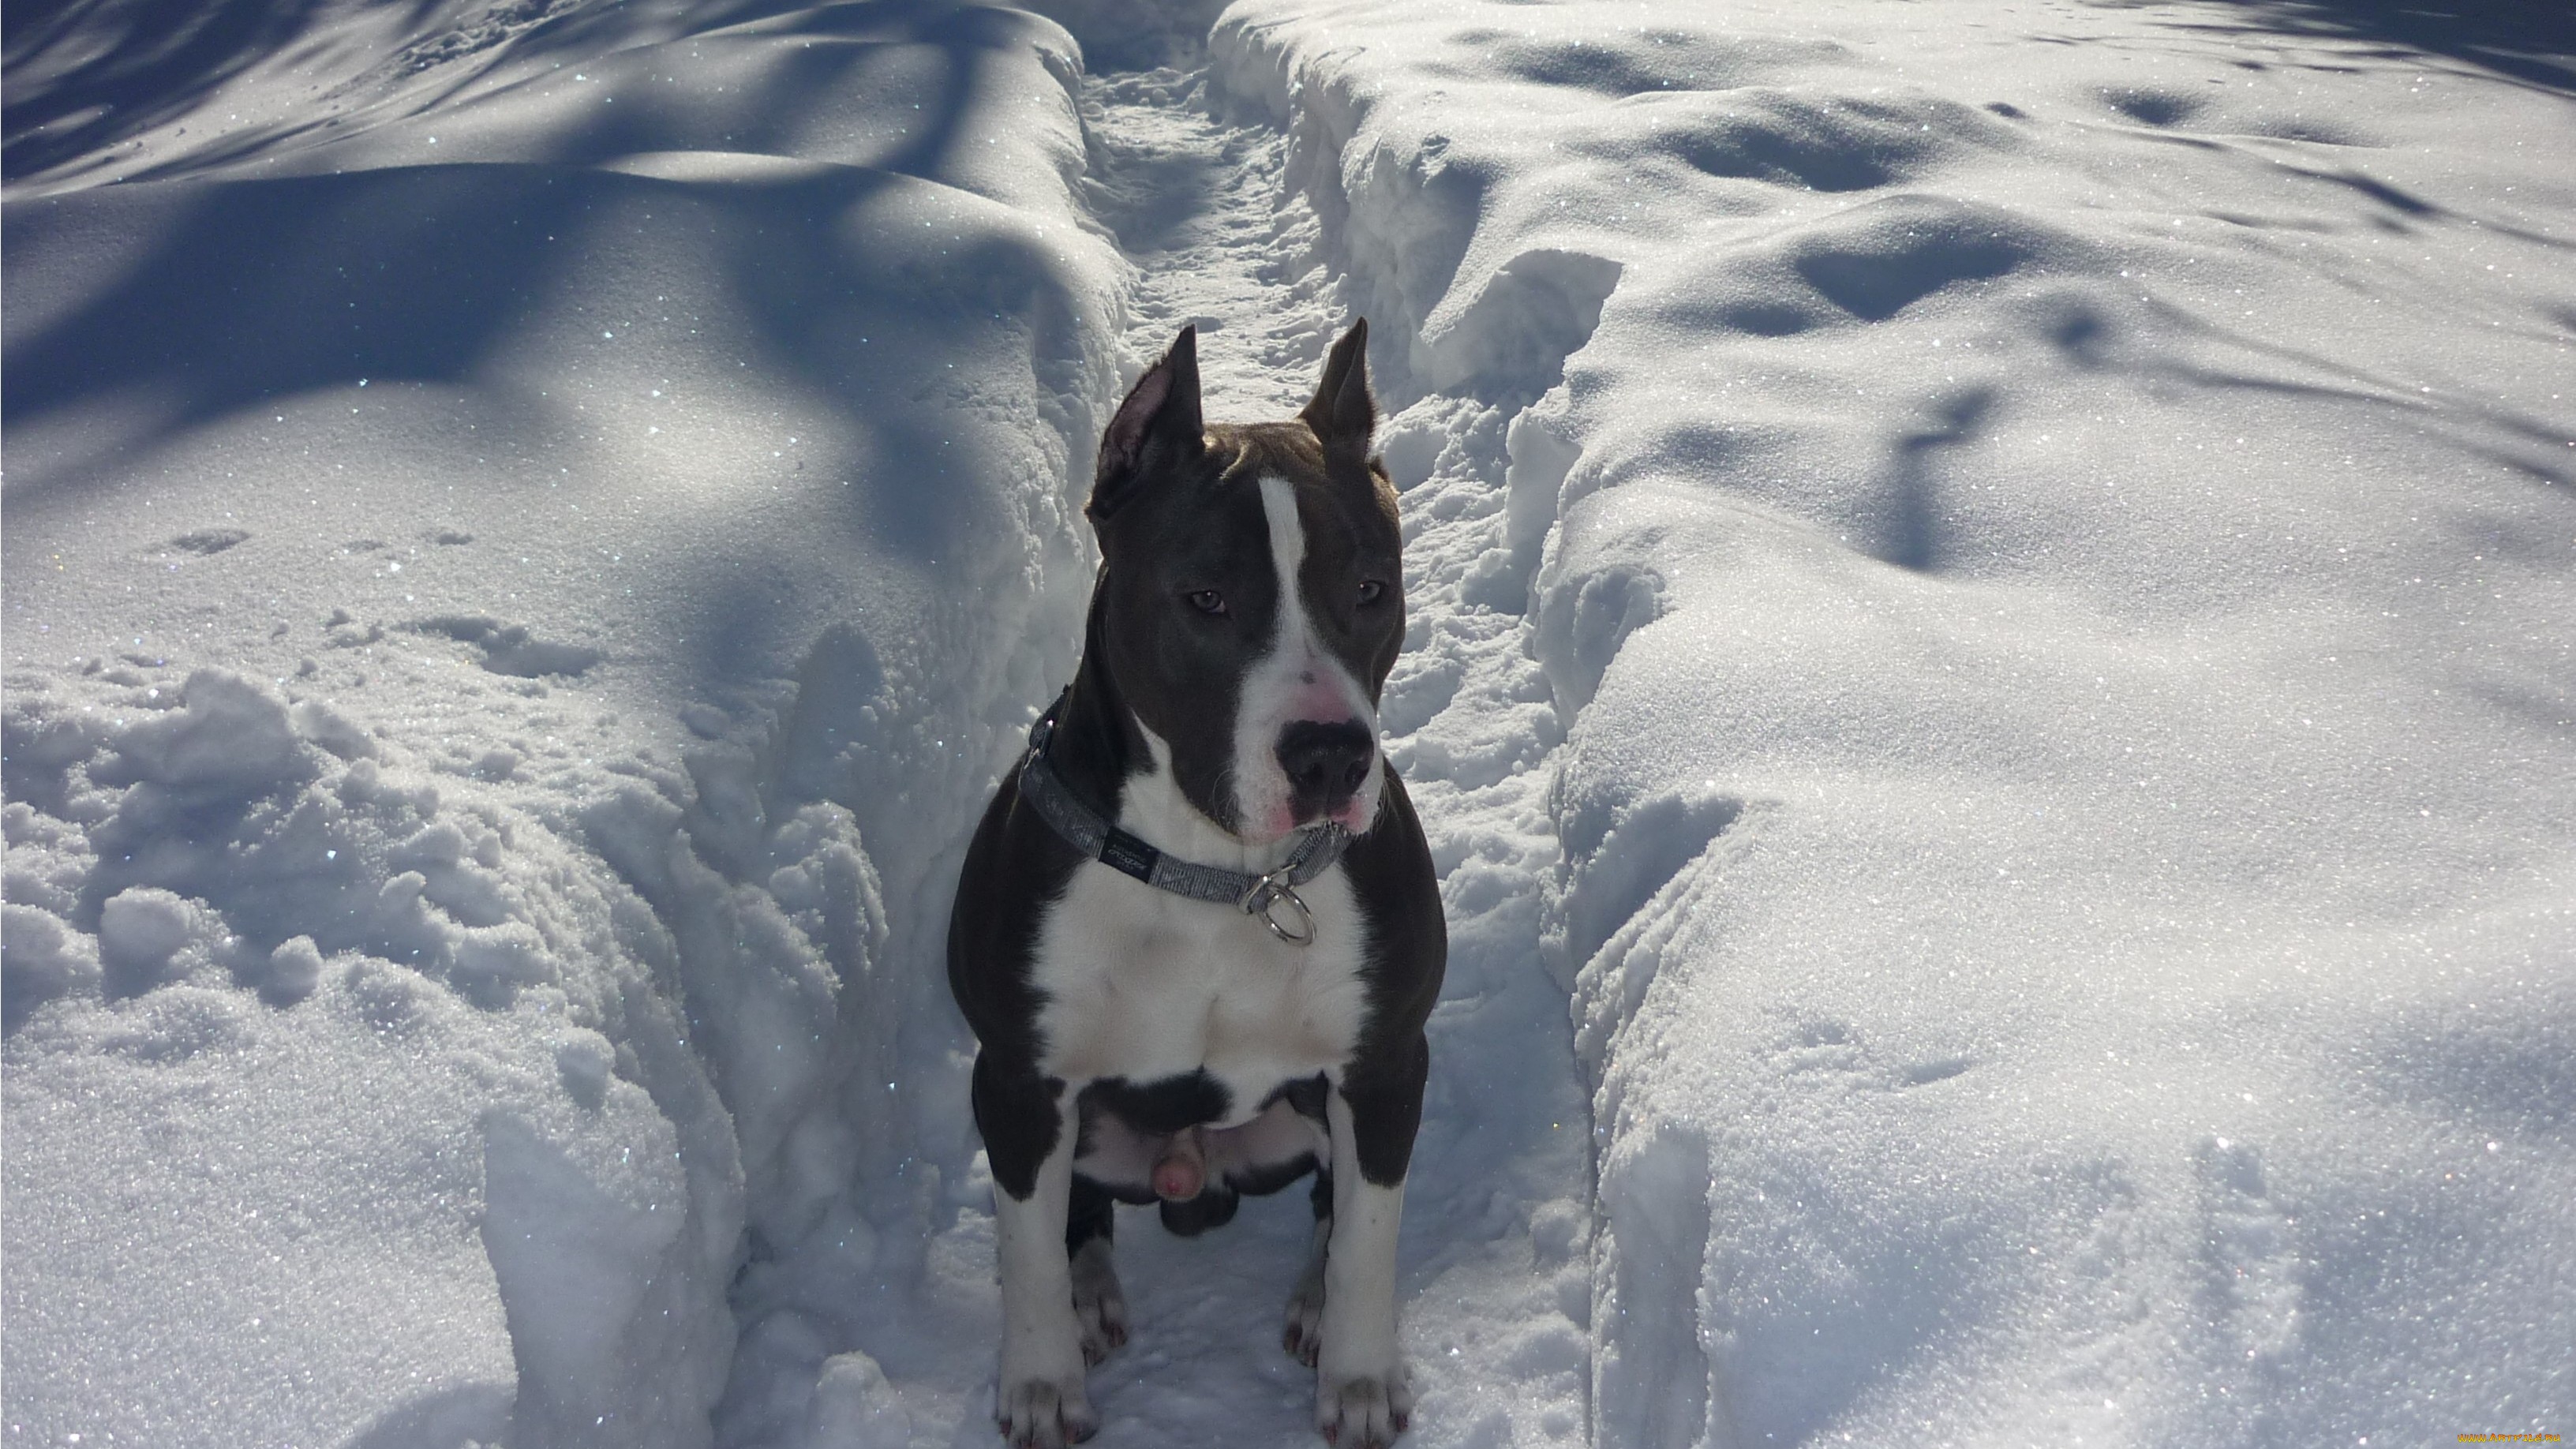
x: 1397, y: 892
x: 1015, y: 868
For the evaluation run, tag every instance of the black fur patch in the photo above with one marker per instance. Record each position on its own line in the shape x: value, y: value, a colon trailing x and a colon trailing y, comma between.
x: 1160, y: 1108
x: 1090, y: 1213
x: 1213, y: 1208
x: 1016, y: 1113
x: 1304, y: 1096
x: 1390, y: 873
x: 1264, y: 1178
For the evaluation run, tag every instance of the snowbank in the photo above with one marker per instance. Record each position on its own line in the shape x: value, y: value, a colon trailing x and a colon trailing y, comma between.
x: 525, y: 546
x: 2048, y: 541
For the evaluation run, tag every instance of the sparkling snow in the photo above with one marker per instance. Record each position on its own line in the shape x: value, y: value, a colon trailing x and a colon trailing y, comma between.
x: 1992, y: 680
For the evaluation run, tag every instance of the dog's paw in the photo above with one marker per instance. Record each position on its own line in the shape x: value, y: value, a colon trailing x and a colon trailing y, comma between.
x: 1364, y: 1413
x: 1303, y: 1333
x: 1045, y: 1414
x: 1098, y: 1304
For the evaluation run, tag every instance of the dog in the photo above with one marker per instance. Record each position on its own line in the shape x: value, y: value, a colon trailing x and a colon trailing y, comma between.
x: 1198, y: 933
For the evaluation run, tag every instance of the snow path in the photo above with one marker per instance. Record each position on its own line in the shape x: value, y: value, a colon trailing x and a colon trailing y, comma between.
x: 1207, y: 212
x: 1203, y: 210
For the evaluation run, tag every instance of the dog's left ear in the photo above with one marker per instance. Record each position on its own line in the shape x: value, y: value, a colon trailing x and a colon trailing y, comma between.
x: 1343, y: 414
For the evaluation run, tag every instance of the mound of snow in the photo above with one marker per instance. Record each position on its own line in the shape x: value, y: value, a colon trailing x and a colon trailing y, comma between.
x: 530, y: 530
x: 367, y: 1081
x: 2043, y: 551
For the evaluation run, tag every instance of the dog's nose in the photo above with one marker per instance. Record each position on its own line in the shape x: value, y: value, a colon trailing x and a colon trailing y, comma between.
x: 1325, y: 764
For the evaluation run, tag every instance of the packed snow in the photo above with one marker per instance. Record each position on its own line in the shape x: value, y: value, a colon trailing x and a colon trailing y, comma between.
x: 1990, y: 677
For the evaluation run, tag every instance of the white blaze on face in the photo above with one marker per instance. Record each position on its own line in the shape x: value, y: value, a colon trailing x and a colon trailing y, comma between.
x: 1295, y: 679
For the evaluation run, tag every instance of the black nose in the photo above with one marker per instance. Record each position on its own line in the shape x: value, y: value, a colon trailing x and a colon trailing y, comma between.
x: 1325, y: 764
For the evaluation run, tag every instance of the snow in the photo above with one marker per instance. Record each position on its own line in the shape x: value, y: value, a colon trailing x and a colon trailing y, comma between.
x: 2052, y: 559
x: 1989, y: 680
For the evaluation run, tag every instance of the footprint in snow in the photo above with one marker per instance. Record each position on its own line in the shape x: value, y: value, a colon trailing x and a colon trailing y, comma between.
x: 509, y: 648
x: 209, y: 541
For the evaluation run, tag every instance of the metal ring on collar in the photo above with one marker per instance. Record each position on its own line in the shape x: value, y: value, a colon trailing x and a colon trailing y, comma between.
x: 1263, y: 900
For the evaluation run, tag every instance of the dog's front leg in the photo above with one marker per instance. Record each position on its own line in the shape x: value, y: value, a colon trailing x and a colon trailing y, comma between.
x: 1030, y: 1125
x: 1363, y: 1394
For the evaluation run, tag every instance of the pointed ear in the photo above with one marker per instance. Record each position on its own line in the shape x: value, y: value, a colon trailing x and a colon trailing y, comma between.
x: 1343, y: 414
x: 1155, y: 428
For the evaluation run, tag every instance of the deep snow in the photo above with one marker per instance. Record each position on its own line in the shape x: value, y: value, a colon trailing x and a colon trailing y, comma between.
x: 1989, y: 678
x: 2057, y: 552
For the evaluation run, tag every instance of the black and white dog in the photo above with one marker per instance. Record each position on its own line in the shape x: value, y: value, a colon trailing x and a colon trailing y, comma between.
x: 1198, y: 932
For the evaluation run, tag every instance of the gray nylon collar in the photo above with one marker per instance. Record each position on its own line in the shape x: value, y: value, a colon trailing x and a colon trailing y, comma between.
x: 1272, y: 897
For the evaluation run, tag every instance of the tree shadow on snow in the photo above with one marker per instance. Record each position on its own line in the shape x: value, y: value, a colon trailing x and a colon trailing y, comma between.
x: 2528, y: 42
x: 252, y: 291
x: 2090, y: 338
x: 245, y: 293
x: 256, y: 290
x: 859, y: 47
x: 1910, y: 533
x: 83, y: 75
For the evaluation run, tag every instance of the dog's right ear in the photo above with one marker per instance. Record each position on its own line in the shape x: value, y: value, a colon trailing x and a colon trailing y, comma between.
x: 1156, y: 427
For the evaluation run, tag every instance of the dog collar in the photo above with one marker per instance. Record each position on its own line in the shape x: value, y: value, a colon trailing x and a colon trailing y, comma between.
x: 1086, y: 830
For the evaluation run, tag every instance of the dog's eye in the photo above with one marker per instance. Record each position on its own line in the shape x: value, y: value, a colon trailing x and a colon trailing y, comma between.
x: 1207, y: 601
x: 1371, y: 591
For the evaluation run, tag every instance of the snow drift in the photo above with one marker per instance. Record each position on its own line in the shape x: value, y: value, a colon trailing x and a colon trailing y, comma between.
x: 2044, y: 548
x: 526, y: 537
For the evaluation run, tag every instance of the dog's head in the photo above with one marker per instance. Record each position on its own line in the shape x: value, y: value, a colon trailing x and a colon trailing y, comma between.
x: 1251, y: 599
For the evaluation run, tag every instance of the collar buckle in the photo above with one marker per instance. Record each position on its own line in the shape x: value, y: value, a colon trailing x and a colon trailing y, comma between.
x: 1263, y: 900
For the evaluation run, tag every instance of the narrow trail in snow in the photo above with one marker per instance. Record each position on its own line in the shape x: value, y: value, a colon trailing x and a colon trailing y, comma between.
x: 1201, y: 208
x: 1496, y: 1290
x: 872, y: 1321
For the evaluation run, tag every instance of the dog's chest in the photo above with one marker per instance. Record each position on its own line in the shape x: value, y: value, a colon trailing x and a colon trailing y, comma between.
x: 1143, y: 984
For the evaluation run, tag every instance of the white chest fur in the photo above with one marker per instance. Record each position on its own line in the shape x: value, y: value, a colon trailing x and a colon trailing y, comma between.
x: 1143, y: 984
